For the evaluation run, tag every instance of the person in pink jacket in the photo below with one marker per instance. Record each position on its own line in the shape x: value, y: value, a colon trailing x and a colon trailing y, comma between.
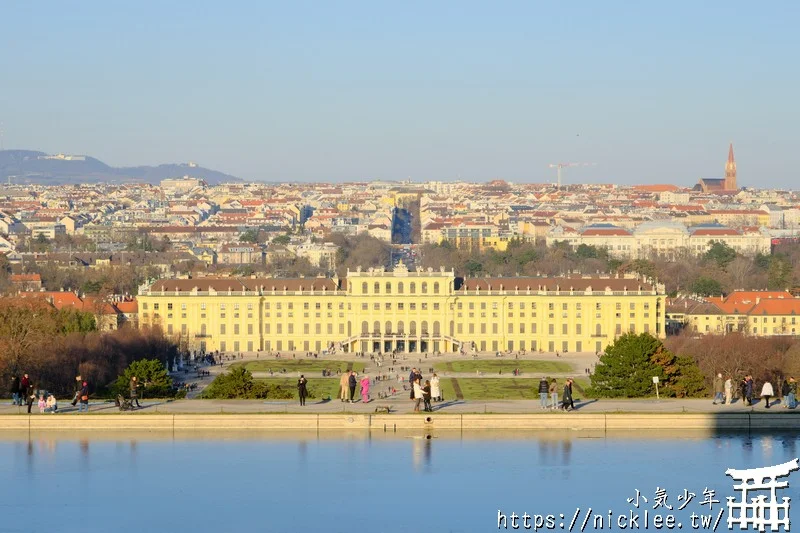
x: 365, y: 389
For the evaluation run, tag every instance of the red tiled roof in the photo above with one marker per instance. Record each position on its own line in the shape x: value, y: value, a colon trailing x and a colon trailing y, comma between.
x: 128, y: 307
x: 777, y: 307
x: 25, y: 277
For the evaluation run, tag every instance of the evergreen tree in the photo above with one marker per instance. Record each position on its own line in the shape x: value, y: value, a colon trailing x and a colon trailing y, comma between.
x: 689, y: 381
x: 626, y: 369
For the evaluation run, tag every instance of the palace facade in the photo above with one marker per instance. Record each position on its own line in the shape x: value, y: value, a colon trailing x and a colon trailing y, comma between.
x: 408, y: 311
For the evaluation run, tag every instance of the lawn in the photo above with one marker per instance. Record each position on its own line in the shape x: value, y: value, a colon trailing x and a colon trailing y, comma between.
x: 505, y: 388
x: 310, y: 366
x: 491, y: 366
x: 318, y: 388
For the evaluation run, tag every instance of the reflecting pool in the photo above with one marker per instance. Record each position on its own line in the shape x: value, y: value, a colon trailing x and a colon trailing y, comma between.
x: 345, y: 483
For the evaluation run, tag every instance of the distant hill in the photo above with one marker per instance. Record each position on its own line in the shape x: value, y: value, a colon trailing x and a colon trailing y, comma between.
x: 28, y: 166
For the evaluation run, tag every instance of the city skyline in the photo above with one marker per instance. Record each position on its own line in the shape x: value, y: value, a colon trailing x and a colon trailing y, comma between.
x: 453, y: 91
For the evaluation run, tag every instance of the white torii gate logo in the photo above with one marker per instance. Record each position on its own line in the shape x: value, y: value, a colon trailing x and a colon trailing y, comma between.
x: 758, y: 511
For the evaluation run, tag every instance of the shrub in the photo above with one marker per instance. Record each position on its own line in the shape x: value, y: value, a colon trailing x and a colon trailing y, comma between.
x: 238, y: 384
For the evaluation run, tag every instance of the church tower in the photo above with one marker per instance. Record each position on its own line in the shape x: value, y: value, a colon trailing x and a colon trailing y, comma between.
x: 730, y: 172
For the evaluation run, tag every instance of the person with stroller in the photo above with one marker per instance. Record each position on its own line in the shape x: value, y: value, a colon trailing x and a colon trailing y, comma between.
x: 134, y: 388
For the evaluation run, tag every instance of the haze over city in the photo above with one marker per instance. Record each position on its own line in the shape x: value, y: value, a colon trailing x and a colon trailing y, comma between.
x: 310, y: 91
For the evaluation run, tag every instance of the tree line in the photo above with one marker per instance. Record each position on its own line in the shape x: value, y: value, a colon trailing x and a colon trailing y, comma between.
x: 53, y: 346
x: 718, y: 271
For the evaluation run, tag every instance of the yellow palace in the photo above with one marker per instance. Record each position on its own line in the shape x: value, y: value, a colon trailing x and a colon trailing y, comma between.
x: 406, y: 311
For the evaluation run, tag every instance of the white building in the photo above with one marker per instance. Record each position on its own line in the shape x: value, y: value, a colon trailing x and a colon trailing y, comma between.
x: 662, y: 239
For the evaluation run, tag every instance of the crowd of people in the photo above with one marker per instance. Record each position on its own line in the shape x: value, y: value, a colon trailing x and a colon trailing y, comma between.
x: 725, y: 394
x: 25, y: 392
x: 548, y: 395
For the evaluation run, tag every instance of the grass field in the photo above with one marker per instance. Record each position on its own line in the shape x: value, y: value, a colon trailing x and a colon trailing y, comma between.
x: 505, y: 388
x: 311, y: 366
x: 507, y: 366
x: 317, y: 388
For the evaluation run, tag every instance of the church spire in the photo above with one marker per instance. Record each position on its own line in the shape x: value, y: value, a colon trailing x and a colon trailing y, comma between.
x: 730, y: 171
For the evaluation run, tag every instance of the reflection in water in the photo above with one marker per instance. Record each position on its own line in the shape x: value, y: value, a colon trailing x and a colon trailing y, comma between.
x: 469, y: 476
x: 790, y: 446
x: 84, y: 445
x: 766, y: 446
x: 428, y: 448
x: 421, y: 453
x: 747, y: 448
x: 566, y: 449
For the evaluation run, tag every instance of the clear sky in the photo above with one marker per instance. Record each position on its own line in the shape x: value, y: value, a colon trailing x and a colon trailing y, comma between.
x: 651, y: 92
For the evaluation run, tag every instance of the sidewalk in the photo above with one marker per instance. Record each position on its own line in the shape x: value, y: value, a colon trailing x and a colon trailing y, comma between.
x: 401, y: 404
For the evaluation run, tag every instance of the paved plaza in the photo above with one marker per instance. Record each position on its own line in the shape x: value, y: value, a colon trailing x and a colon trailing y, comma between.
x: 400, y: 402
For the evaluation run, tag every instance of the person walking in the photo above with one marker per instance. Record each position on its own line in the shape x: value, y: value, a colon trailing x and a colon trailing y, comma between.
x: 570, y: 382
x: 791, y: 397
x: 302, y: 389
x: 743, y: 387
x: 728, y: 391
x: 426, y: 396
x: 23, y: 388
x: 566, y: 397
x: 436, y: 391
x: 77, y: 397
x: 544, y: 392
x: 15, y: 399
x: 343, y: 385
x: 30, y: 394
x: 351, y: 383
x: 418, y: 393
x: 365, y: 389
x: 785, y: 392
x: 767, y: 392
x: 719, y: 387
x: 134, y: 388
x: 83, y: 402
x: 554, y: 393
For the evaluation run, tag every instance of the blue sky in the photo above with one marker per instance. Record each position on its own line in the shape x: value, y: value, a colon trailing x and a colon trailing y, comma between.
x: 651, y: 92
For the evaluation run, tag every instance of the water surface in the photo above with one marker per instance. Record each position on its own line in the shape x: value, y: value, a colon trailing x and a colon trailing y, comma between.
x: 337, y: 483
